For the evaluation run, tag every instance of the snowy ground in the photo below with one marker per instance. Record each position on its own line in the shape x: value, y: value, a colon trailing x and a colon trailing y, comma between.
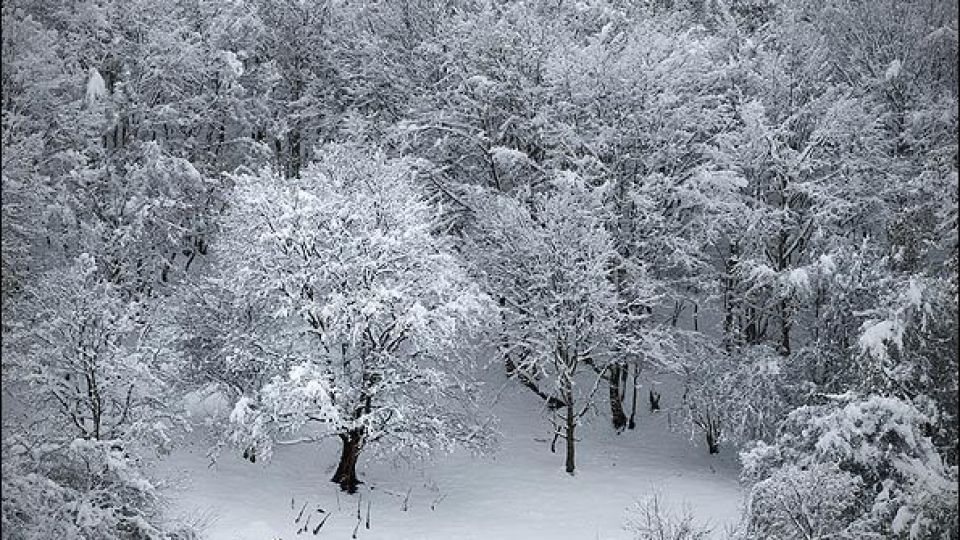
x: 519, y: 493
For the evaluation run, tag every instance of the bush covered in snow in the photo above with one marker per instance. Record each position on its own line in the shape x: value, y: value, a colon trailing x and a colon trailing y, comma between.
x: 857, y: 465
x: 90, y: 379
x: 81, y: 489
x: 736, y: 396
x: 650, y: 519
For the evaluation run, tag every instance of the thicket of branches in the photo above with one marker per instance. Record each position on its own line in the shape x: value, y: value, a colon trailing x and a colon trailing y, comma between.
x: 323, y: 210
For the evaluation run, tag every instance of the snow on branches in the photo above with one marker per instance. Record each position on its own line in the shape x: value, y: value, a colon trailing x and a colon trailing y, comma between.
x: 871, y: 454
x: 375, y: 307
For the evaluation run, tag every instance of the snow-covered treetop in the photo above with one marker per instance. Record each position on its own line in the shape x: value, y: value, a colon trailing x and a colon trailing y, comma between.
x: 350, y: 258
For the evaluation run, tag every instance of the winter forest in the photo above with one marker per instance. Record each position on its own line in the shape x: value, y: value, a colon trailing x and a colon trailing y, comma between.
x: 479, y: 269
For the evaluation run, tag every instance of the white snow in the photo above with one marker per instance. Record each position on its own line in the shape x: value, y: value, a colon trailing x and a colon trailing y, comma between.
x: 893, y: 70
x: 232, y: 62
x: 799, y: 280
x: 96, y: 88
x: 827, y: 264
x: 241, y: 410
x: 517, y: 493
x: 508, y: 158
x: 914, y: 294
x: 762, y: 273
x: 876, y: 335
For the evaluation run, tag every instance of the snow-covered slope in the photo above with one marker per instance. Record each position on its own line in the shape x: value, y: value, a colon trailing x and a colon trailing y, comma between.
x: 518, y: 493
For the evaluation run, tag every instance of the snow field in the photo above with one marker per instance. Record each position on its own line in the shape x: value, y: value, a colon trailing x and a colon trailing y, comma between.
x: 518, y: 492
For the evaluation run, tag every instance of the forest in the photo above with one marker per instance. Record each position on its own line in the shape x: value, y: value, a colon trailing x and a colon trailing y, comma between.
x: 347, y: 221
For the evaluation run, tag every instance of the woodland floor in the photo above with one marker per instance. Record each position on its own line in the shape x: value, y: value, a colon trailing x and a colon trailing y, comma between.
x: 519, y: 492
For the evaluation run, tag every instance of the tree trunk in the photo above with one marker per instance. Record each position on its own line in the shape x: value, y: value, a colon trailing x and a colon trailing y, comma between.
x: 654, y: 401
x: 632, y: 423
x: 346, y: 475
x: 278, y: 152
x: 571, y: 427
x: 294, y: 143
x: 785, y: 326
x: 712, y: 444
x: 713, y: 434
x: 696, y: 317
x: 751, y: 327
x: 616, y: 397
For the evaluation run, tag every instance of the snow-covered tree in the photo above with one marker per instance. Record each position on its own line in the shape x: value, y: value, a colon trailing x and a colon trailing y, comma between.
x: 373, y: 307
x: 80, y: 489
x: 738, y: 396
x: 89, y: 359
x: 477, y: 123
x: 860, y: 466
x: 550, y: 264
x: 86, y: 382
x: 638, y: 101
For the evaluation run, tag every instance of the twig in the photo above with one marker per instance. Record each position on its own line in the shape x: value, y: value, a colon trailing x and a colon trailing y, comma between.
x: 300, y: 515
x: 319, y: 525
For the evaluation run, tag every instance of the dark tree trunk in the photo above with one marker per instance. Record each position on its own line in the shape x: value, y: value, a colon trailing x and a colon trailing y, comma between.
x: 785, y: 326
x: 346, y: 475
x: 632, y: 423
x: 696, y: 317
x: 752, y: 327
x: 509, y: 366
x: 278, y: 151
x: 616, y: 397
x: 728, y: 299
x: 221, y: 138
x: 712, y: 432
x: 571, y: 441
x: 294, y: 141
x: 712, y: 444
